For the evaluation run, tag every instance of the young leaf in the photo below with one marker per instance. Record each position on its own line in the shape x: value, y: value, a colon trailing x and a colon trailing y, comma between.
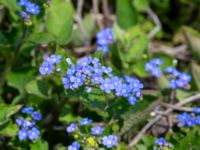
x: 39, y: 88
x: 59, y: 21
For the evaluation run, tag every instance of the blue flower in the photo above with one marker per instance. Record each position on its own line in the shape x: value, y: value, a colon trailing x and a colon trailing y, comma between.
x: 25, y: 15
x: 33, y: 133
x: 186, y: 119
x: 23, y: 2
x: 22, y: 134
x: 197, y: 120
x: 177, y: 79
x: 71, y: 128
x: 27, y: 110
x: 36, y: 115
x: 104, y: 38
x: 110, y: 141
x: 161, y: 142
x: 54, y: 59
x: 97, y: 130
x: 88, y: 89
x: 32, y: 8
x: 19, y: 121
x: 132, y: 100
x: 85, y: 121
x: 28, y: 123
x: 74, y: 146
x: 46, y: 68
x: 154, y: 67
x: 106, y: 85
x: 196, y: 110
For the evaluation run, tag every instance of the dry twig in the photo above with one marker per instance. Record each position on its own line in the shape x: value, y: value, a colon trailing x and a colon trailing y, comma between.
x: 156, y: 20
x: 79, y: 21
x: 155, y: 120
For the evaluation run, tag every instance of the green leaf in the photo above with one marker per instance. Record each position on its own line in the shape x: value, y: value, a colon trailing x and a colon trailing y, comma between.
x: 39, y: 145
x: 141, y: 5
x: 6, y: 111
x: 196, y: 73
x: 117, y: 31
x: 135, y: 48
x: 182, y: 94
x: 41, y: 38
x: 189, y: 141
x: 66, y: 115
x: 126, y: 14
x: 193, y: 39
x: 8, y: 129
x: 136, y: 118
x: 139, y: 68
x: 12, y: 7
x: 39, y: 88
x: 19, y: 80
x: 59, y: 21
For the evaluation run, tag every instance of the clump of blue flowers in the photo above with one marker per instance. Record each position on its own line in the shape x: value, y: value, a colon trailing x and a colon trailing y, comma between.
x: 94, y: 138
x: 177, y: 79
x: 110, y: 141
x: 104, y: 38
x: 28, y: 125
x: 189, y: 119
x: 154, y: 67
x: 49, y: 64
x: 29, y: 8
x: 90, y: 72
x: 161, y: 143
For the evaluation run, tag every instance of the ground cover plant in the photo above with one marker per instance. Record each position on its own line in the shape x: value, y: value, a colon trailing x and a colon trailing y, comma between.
x: 99, y: 75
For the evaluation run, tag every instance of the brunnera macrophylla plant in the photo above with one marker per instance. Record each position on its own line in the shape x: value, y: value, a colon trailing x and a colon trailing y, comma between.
x: 88, y: 74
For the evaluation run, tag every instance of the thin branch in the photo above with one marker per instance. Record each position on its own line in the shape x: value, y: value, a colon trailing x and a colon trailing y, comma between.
x: 170, y: 116
x: 98, y: 17
x: 106, y: 13
x: 79, y: 21
x: 187, y: 109
x: 156, y: 20
x: 152, y: 122
x: 179, y: 52
x: 105, y: 7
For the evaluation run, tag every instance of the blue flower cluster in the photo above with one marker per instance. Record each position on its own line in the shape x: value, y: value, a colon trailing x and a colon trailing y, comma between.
x: 97, y: 130
x: 74, y: 146
x: 49, y: 63
x: 154, y: 67
x: 189, y: 119
x: 27, y: 126
x: 177, y: 79
x: 30, y: 8
x: 110, y: 141
x: 91, y: 73
x: 104, y: 38
x: 161, y: 142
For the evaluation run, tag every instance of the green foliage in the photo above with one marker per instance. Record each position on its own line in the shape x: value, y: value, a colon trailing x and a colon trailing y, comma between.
x: 57, y: 23
x: 7, y: 111
x: 39, y: 88
x: 124, y: 11
x: 57, y: 29
x: 39, y: 145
